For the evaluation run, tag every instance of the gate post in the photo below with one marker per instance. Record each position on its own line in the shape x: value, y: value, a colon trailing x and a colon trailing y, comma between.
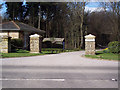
x: 89, y: 44
x: 5, y: 45
x: 35, y: 43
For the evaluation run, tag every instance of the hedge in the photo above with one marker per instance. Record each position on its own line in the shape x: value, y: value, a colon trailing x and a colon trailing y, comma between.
x: 114, y: 47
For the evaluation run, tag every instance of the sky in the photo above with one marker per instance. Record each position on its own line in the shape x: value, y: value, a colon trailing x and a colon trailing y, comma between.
x: 91, y: 6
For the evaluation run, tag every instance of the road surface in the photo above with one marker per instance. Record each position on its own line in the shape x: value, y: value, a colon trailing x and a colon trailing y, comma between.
x: 64, y: 70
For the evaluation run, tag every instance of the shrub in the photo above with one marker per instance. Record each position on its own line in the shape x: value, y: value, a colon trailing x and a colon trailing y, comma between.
x: 47, y: 44
x: 16, y: 44
x: 57, y: 45
x: 22, y: 51
x: 114, y: 47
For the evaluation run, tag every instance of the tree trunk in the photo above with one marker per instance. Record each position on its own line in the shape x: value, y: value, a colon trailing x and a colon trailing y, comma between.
x: 81, y: 25
x: 57, y: 30
x: 72, y: 39
x: 75, y: 43
x: 13, y: 14
x: 39, y: 17
x: 81, y: 34
x: 78, y: 39
x: 33, y: 21
x: 65, y: 37
x: 46, y: 30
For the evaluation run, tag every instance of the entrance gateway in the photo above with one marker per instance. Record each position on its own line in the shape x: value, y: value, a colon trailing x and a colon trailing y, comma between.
x: 36, y: 43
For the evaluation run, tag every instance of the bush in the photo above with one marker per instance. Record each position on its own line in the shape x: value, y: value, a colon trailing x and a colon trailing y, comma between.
x: 47, y: 44
x: 57, y: 45
x: 16, y: 44
x: 114, y: 47
x: 22, y: 51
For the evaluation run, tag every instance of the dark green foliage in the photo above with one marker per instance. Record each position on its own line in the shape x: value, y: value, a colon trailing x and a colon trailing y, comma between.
x: 57, y: 46
x: 47, y: 44
x: 15, y: 10
x: 21, y: 51
x: 114, y: 47
x: 16, y: 44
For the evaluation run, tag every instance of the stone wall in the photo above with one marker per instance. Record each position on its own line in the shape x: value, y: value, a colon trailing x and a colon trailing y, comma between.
x: 5, y: 45
x: 13, y: 35
x: 3, y: 33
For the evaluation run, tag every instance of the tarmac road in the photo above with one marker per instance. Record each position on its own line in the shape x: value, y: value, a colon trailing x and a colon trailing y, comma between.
x: 64, y: 70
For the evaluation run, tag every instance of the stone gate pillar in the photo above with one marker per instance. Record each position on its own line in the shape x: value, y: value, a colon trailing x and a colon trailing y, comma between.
x: 35, y: 43
x: 5, y: 45
x: 89, y: 44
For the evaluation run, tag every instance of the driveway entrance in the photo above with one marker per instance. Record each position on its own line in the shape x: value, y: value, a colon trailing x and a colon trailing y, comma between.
x: 64, y: 70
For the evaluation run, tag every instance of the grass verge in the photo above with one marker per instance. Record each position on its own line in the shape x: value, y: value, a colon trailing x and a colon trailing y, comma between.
x: 102, y: 55
x: 24, y: 53
x: 8, y: 55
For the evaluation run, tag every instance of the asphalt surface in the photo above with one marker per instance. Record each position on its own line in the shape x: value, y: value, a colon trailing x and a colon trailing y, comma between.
x: 64, y: 70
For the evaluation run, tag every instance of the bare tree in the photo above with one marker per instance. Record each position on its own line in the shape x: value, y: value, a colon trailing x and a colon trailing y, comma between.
x: 80, y: 8
x: 113, y: 14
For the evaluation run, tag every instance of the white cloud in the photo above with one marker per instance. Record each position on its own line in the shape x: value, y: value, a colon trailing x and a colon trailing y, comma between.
x: 94, y: 9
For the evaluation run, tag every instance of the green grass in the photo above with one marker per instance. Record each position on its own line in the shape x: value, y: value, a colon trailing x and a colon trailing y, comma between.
x: 59, y: 50
x: 8, y: 55
x: 24, y: 53
x: 52, y: 49
x: 102, y: 55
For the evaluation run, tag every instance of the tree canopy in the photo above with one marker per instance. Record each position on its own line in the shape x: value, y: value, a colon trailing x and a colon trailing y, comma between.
x: 69, y: 20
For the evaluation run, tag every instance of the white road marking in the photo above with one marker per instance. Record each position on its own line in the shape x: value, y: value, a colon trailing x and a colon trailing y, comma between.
x: 114, y: 79
x: 35, y: 79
